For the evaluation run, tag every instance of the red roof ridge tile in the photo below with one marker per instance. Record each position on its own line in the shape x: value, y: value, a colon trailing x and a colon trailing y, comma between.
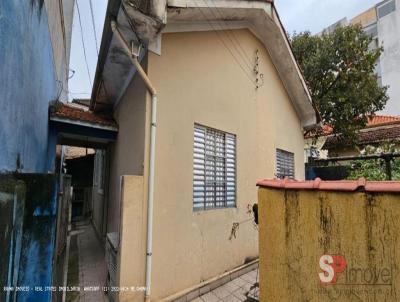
x: 374, y: 122
x: 340, y: 185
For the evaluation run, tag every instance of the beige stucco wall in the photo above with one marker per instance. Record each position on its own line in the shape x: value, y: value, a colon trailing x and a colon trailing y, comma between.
x: 198, y: 81
x: 127, y: 153
x: 365, y: 18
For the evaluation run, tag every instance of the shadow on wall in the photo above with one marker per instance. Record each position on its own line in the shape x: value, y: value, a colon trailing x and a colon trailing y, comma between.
x: 38, y: 3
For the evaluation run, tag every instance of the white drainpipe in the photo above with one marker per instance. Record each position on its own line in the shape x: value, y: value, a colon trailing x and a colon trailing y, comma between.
x: 150, y: 200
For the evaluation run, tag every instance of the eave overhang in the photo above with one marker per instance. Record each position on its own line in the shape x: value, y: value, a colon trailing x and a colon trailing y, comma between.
x: 114, y: 70
x: 77, y: 126
x: 260, y: 17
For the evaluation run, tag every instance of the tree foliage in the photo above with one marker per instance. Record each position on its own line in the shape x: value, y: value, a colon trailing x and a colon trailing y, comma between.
x: 375, y: 169
x: 339, y: 70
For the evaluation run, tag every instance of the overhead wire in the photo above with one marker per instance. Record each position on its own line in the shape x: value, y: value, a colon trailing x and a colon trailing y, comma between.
x: 226, y: 46
x: 83, y: 43
x: 225, y: 27
x: 94, y: 26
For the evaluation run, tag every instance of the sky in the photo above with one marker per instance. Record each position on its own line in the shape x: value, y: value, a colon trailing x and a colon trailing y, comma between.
x: 79, y: 85
x: 315, y: 15
x: 296, y: 15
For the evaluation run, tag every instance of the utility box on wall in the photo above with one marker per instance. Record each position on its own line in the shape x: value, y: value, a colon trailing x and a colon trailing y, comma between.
x: 329, y: 240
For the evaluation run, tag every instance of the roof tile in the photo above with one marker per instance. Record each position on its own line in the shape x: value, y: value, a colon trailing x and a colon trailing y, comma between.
x: 375, y: 121
x: 342, y: 185
x: 81, y: 114
x: 371, y: 136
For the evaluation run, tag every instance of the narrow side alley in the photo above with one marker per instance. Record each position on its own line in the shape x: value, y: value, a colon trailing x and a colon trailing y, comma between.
x: 87, y: 267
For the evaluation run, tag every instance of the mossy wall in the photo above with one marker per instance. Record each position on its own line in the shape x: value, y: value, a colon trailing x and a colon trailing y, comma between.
x: 358, y: 232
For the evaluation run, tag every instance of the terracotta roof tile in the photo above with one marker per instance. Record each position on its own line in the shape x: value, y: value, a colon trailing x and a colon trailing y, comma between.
x: 371, y: 136
x: 380, y: 120
x: 376, y: 121
x: 342, y: 185
x: 80, y: 114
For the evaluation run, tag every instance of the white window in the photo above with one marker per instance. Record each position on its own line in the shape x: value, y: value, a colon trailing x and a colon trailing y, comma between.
x: 386, y: 8
x: 214, y: 169
x: 371, y: 30
x: 284, y: 164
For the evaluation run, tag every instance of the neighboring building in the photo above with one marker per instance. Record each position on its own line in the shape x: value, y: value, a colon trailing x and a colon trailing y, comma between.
x: 232, y: 107
x: 35, y: 43
x: 381, y: 129
x: 34, y: 60
x: 382, y: 22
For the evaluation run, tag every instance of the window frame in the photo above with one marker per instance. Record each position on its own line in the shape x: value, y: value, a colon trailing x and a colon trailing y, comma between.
x: 285, y: 152
x: 391, y: 5
x: 228, y: 204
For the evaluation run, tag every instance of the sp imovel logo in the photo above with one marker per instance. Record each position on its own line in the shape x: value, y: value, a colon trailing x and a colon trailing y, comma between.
x: 331, y: 265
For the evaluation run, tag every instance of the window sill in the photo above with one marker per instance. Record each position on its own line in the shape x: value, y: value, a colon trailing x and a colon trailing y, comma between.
x: 208, y: 210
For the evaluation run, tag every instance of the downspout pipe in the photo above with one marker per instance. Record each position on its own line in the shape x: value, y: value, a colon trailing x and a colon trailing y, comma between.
x: 150, y: 198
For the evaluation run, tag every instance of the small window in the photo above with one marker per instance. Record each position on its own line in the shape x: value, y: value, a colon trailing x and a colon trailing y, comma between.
x: 284, y: 164
x: 386, y: 8
x: 372, y: 30
x: 214, y: 169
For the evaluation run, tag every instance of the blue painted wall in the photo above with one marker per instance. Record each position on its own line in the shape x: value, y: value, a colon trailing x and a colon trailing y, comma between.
x: 27, y: 85
x: 38, y: 237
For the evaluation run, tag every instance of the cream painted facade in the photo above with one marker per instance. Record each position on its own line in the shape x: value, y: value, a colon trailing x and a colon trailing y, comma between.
x: 198, y: 81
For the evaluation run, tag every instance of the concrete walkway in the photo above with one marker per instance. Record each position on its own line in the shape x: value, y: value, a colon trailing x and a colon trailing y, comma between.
x: 91, y: 272
x: 92, y: 269
x: 239, y: 289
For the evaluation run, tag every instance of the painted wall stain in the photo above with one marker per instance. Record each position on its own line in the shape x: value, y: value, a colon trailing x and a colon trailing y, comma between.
x: 325, y: 221
x: 37, y: 4
x: 36, y: 264
x: 27, y: 232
